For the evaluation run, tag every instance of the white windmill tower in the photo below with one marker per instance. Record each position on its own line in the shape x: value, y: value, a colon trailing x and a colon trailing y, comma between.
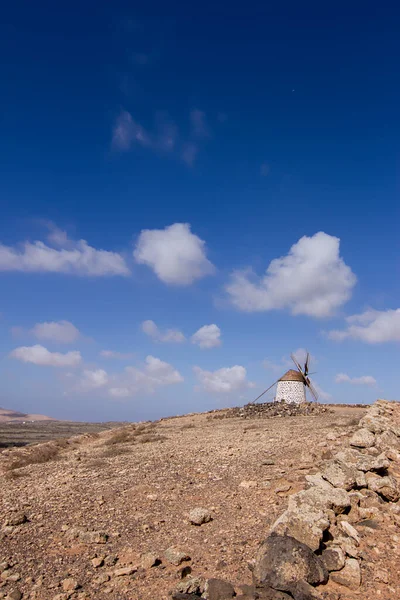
x: 291, y: 387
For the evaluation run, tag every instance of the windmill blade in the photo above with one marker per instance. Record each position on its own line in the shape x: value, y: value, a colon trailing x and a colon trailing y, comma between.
x: 292, y: 356
x: 312, y: 390
x: 306, y: 364
x: 267, y: 390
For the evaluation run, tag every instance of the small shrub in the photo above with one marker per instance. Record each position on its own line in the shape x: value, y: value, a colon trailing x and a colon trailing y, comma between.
x: 120, y: 436
x: 12, y: 475
x: 146, y: 439
x: 61, y: 443
x: 35, y: 455
x: 115, y: 451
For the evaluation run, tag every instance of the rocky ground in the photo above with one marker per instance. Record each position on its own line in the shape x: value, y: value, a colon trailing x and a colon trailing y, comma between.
x: 141, y: 512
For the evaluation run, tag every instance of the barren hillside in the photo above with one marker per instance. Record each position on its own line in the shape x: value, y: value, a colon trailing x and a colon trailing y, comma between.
x: 94, y: 517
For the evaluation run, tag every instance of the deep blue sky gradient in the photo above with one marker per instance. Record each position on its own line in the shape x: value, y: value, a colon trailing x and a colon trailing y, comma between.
x: 311, y: 90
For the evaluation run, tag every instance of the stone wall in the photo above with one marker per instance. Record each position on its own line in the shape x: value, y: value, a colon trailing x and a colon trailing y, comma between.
x: 290, y: 391
x: 316, y: 542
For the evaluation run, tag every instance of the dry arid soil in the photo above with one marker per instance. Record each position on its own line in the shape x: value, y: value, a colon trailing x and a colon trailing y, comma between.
x: 92, y: 517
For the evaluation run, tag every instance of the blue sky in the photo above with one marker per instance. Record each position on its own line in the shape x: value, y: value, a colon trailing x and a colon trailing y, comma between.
x: 186, y: 198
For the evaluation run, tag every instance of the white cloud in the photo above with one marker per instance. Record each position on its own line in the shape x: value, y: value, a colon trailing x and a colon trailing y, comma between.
x: 92, y: 379
x: 272, y: 366
x: 128, y: 132
x: 168, y: 335
x: 131, y: 381
x: 189, y: 153
x: 153, y: 375
x: 117, y: 355
x: 312, y: 279
x: 322, y: 395
x: 121, y: 392
x: 198, y: 123
x: 61, y: 331
x: 163, y: 137
x: 74, y: 257
x: 371, y: 326
x: 286, y: 362
x: 363, y: 380
x: 208, y: 336
x: 223, y: 381
x: 39, y: 355
x: 176, y: 255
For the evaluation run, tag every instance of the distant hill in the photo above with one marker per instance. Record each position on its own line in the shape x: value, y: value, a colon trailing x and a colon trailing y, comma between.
x: 14, y: 416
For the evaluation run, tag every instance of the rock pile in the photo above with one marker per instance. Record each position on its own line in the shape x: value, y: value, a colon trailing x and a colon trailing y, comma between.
x: 316, y: 538
x: 272, y: 409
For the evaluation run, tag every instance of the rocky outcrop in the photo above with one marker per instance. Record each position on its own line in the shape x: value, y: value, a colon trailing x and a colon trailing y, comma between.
x: 346, y: 488
x: 316, y: 538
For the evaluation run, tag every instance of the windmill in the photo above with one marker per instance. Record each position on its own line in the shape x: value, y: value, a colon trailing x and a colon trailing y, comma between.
x: 291, y: 387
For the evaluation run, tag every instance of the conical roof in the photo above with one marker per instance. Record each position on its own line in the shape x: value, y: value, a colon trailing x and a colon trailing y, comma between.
x: 292, y: 375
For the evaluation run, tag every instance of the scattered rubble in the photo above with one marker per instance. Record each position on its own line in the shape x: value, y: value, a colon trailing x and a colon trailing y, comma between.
x: 324, y: 523
x: 272, y: 409
x: 316, y: 538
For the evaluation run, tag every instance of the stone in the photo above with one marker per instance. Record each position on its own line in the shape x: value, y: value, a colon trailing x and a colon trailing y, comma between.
x: 393, y: 455
x: 306, y: 525
x: 350, y: 531
x: 267, y: 593
x: 97, y: 562
x: 198, y: 516
x: 363, y: 438
x: 15, y: 519
x: 339, y: 475
x: 306, y: 517
x: 281, y: 561
x: 248, y: 484
x: 93, y: 537
x: 323, y: 496
x: 361, y: 481
x: 387, y: 439
x: 374, y: 422
x: 100, y: 579
x: 149, y: 559
x: 370, y: 499
x: 369, y: 513
x: 371, y: 523
x: 70, y: 585
x: 349, y: 576
x: 384, y: 486
x: 14, y: 595
x: 14, y: 577
x: 124, y: 571
x: 8, y: 575
x: 333, y: 558
x: 175, y: 556
x: 347, y: 545
x: 381, y: 575
x: 218, y: 589
x: 191, y: 585
x: 304, y: 591
x: 363, y: 462
x: 282, y: 488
